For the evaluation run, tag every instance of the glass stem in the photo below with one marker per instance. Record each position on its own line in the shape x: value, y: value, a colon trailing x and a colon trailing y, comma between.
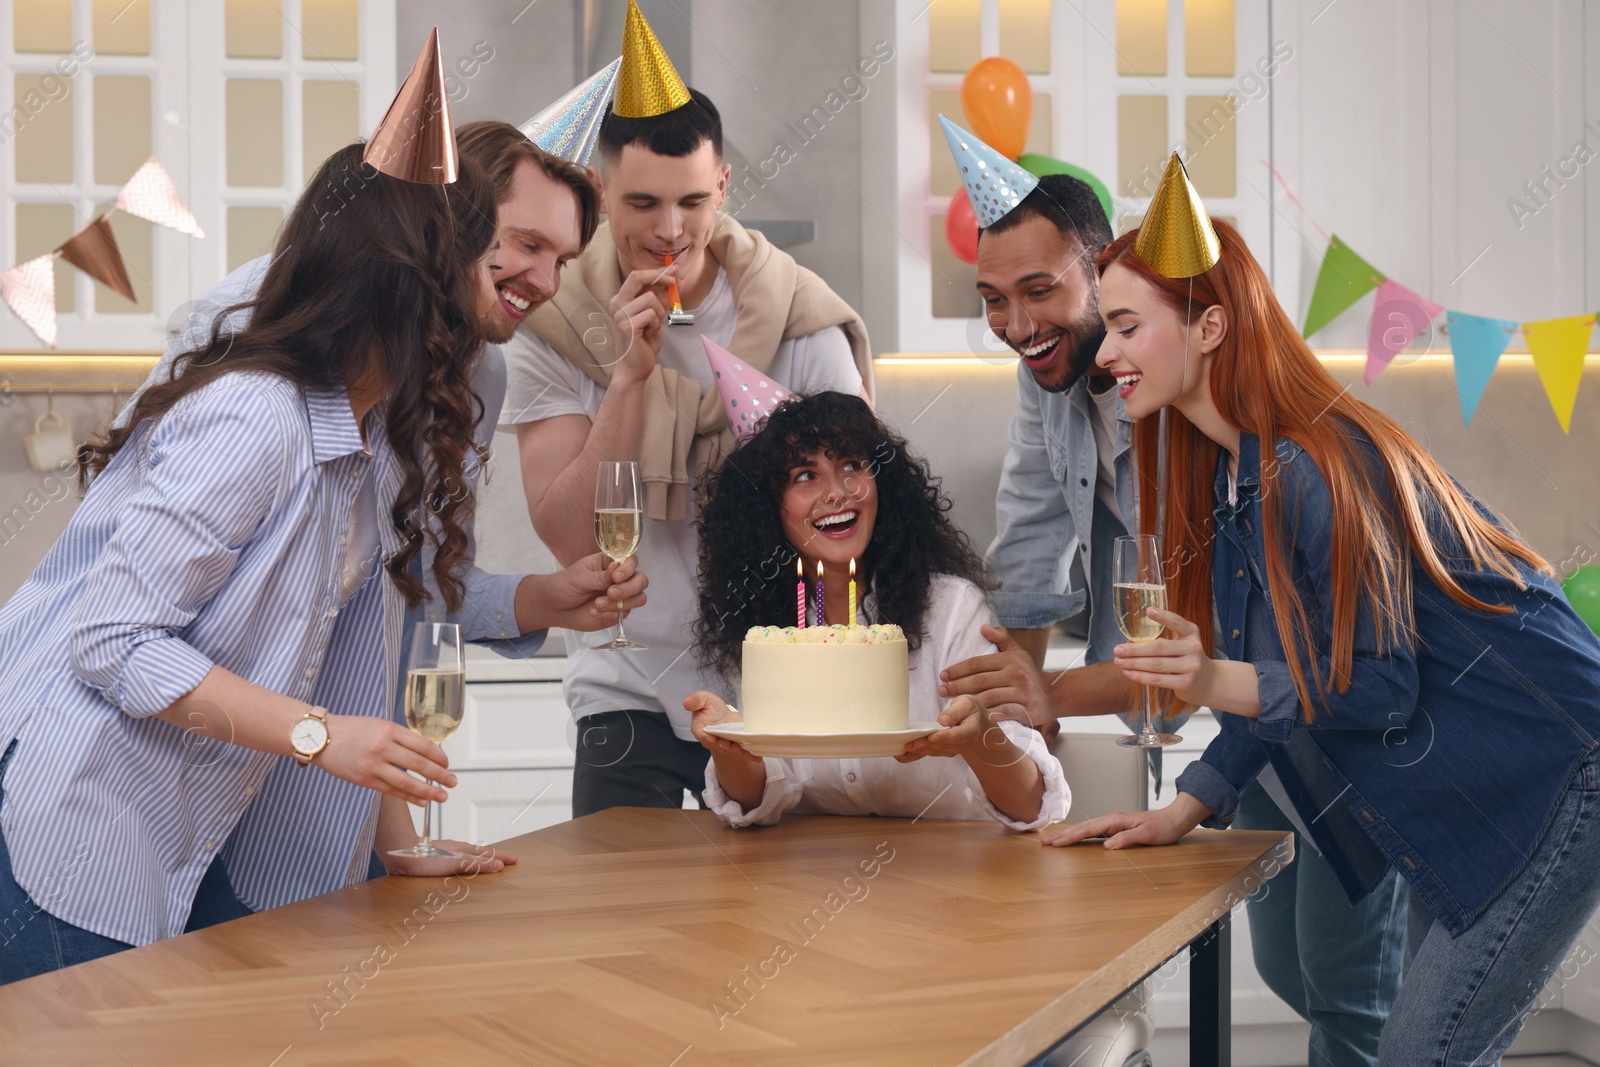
x: 1149, y: 725
x: 621, y: 634
x: 427, y: 823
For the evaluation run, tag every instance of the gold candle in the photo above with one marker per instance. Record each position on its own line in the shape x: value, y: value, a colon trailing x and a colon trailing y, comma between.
x: 852, y: 592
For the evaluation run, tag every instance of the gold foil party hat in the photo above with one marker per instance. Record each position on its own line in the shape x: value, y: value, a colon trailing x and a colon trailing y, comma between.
x: 648, y: 84
x: 1177, y: 238
x: 415, y: 140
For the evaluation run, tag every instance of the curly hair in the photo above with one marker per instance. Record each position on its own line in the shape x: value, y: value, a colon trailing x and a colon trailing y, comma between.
x: 371, y: 275
x: 746, y: 560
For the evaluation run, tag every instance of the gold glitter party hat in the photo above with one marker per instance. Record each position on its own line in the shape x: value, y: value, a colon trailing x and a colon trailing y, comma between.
x: 1177, y: 238
x: 648, y: 84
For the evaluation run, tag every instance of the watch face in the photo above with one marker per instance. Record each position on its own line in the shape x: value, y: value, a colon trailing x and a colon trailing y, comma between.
x: 308, y: 736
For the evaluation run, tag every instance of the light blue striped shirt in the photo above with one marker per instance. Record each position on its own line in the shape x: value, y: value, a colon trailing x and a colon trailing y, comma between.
x: 301, y: 831
x: 213, y: 538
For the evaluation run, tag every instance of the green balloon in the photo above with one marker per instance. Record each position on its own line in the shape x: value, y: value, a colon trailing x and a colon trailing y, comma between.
x: 1583, y: 593
x: 1039, y: 166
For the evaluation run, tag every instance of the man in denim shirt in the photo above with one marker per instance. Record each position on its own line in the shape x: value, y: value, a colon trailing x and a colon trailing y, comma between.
x: 1066, y: 486
x: 1065, y: 496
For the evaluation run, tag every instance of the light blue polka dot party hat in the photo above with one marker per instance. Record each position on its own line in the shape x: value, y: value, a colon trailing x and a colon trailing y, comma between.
x: 994, y: 184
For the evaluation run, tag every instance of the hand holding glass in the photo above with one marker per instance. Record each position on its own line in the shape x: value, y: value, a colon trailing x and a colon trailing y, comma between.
x: 1138, y: 585
x: 435, y: 698
x: 618, y: 523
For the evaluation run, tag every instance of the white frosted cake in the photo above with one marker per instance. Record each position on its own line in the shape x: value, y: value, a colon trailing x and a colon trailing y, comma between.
x: 825, y: 679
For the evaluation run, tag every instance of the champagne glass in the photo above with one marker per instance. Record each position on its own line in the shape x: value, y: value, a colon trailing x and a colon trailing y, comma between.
x: 618, y: 522
x: 436, y: 692
x: 1138, y: 585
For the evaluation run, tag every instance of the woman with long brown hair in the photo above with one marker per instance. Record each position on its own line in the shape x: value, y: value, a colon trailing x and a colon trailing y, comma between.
x: 211, y: 605
x: 1402, y: 660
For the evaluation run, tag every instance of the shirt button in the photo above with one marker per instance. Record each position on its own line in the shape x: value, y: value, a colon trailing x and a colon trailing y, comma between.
x: 1083, y: 481
x: 1083, y: 547
x: 499, y: 616
x: 210, y: 845
x: 850, y: 776
x: 1238, y: 573
x: 1236, y: 633
x: 311, y: 672
x: 249, y: 790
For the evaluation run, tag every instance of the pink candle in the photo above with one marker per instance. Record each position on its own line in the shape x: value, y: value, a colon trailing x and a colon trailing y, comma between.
x: 800, y: 592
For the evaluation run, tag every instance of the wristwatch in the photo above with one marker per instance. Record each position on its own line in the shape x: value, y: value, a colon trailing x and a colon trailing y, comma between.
x: 309, y: 735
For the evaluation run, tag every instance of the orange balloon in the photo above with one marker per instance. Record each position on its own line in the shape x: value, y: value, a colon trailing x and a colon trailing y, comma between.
x: 999, y: 104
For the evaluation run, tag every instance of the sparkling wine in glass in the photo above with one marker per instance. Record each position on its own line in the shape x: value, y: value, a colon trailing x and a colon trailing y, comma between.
x: 1138, y: 585
x: 618, y: 524
x: 435, y: 698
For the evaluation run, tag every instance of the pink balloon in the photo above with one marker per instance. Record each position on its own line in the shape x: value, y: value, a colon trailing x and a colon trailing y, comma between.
x: 961, y: 228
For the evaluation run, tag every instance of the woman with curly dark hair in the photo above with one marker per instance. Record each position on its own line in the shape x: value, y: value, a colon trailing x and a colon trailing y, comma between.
x: 226, y: 551
x: 824, y: 480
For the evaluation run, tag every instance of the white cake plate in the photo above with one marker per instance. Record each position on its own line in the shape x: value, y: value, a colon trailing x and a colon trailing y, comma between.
x: 861, y: 745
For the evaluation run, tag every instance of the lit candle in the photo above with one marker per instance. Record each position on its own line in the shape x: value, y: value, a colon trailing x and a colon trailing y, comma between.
x: 852, y: 591
x: 822, y: 619
x: 800, y: 590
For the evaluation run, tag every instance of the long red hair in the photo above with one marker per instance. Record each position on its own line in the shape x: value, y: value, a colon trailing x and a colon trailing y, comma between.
x: 1265, y: 381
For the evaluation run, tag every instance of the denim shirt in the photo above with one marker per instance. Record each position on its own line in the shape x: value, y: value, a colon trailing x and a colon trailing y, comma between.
x: 1447, y: 756
x: 1052, y: 551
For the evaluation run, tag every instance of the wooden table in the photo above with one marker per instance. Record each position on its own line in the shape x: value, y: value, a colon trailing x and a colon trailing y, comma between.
x: 661, y: 938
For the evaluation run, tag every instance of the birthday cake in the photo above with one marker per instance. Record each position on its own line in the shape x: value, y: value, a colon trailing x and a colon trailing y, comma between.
x: 825, y: 679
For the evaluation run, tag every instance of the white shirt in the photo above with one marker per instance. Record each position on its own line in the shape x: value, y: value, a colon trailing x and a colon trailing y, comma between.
x: 1103, y: 408
x: 542, y: 384
x: 936, y: 787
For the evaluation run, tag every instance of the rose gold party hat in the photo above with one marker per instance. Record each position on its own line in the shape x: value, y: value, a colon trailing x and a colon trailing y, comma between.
x: 415, y: 141
x: 1177, y: 238
x: 648, y: 84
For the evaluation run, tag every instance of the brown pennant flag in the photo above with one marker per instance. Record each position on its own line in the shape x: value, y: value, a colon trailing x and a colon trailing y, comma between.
x: 94, y: 251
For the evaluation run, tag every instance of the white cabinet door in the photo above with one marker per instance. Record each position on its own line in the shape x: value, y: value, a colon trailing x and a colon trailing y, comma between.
x: 490, y: 806
x: 513, y: 726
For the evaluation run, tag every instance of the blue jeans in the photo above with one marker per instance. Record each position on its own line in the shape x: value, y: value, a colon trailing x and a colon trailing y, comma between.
x: 1465, y: 999
x: 1338, y: 966
x: 33, y: 942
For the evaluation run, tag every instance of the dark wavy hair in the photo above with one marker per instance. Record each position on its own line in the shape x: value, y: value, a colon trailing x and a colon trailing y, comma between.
x: 371, y: 275
x: 746, y: 560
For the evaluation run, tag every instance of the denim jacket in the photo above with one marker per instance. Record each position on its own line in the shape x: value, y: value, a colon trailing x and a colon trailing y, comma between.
x: 1445, y: 758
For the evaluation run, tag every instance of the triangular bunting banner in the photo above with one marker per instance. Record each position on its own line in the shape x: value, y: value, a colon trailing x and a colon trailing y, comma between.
x: 1476, y: 342
x: 1558, y: 347
x: 94, y: 251
x: 30, y: 289
x: 1398, y: 315
x: 1344, y: 278
x: 151, y: 195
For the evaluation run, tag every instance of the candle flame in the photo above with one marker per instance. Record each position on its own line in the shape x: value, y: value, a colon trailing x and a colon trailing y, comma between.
x: 852, y: 566
x: 819, y: 570
x: 799, y: 567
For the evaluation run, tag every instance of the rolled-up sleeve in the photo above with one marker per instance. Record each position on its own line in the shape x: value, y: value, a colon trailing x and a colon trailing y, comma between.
x: 1057, y: 800
x: 213, y: 466
x: 781, y: 793
x: 1029, y: 552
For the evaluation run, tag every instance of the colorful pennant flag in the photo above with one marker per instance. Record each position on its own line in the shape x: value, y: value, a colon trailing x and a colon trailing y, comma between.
x: 1558, y: 347
x: 94, y: 251
x: 1344, y: 278
x: 30, y: 289
x: 1398, y: 315
x: 151, y: 195
x: 1476, y: 343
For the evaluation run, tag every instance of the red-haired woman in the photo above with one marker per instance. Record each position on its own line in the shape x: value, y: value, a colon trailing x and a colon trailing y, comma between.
x: 1403, y: 661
